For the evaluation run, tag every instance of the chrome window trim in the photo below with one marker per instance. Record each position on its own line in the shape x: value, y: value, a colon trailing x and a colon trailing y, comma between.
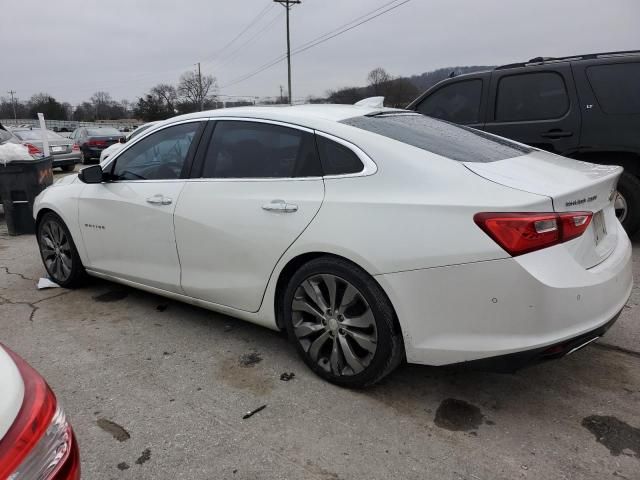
x: 370, y: 167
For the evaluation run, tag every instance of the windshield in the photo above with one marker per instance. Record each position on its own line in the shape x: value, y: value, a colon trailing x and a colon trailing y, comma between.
x: 103, y: 132
x: 456, y: 142
x: 36, y: 135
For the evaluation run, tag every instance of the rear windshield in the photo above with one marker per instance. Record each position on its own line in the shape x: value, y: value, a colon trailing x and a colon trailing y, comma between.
x: 102, y: 132
x: 36, y: 135
x: 442, y: 138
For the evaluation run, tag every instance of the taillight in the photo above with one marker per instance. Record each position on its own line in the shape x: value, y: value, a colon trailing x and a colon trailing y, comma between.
x: 520, y: 233
x: 97, y: 143
x: 75, y: 147
x: 33, y: 150
x: 40, y: 443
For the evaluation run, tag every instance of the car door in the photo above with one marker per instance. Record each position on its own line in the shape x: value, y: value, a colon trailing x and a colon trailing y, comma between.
x: 460, y: 101
x: 259, y: 186
x: 537, y: 106
x: 127, y: 221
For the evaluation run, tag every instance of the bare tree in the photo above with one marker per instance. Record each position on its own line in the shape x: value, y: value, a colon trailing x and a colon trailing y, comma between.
x: 166, y: 93
x: 195, y: 90
x: 101, y: 101
x: 377, y: 78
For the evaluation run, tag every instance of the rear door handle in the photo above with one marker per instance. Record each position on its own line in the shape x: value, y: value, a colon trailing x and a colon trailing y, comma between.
x: 556, y: 134
x: 280, y: 206
x: 159, y: 199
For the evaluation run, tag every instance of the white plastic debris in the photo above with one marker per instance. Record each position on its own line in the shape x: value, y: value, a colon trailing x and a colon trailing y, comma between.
x: 13, y: 151
x: 46, y: 283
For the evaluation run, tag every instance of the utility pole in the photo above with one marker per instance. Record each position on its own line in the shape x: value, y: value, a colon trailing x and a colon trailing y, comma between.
x: 281, y: 95
x: 13, y: 103
x: 288, y: 4
x: 200, y: 88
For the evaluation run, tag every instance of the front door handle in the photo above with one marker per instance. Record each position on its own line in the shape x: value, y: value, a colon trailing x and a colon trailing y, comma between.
x: 280, y: 206
x: 556, y: 134
x: 159, y: 200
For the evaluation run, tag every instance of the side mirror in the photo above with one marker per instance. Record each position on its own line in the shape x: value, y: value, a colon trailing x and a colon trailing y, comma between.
x: 122, y: 140
x: 92, y: 174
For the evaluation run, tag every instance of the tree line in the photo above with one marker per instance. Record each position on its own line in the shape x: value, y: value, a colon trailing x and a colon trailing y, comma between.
x: 193, y: 93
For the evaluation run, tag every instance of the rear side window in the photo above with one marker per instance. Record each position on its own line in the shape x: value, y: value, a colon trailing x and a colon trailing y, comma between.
x: 442, y: 138
x: 531, y: 96
x: 457, y: 103
x: 4, y: 136
x: 617, y: 87
x: 337, y: 159
x: 260, y: 150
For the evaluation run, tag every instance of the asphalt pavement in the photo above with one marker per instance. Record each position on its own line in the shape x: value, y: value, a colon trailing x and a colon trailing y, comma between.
x: 157, y: 389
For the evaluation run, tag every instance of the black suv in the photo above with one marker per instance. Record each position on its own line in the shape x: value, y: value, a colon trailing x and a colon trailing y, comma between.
x: 585, y: 107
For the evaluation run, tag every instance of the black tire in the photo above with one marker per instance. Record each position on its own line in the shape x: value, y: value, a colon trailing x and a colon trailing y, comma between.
x: 389, y: 347
x: 85, y: 158
x: 629, y: 189
x: 76, y: 272
x: 68, y: 168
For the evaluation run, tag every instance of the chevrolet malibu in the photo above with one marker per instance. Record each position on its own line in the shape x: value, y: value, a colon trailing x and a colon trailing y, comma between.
x: 36, y: 441
x: 371, y: 235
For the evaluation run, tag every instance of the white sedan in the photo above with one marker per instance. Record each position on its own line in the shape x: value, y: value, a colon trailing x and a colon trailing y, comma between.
x: 36, y: 441
x: 371, y: 235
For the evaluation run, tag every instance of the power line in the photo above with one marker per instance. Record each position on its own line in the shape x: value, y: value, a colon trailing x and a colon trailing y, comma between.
x: 255, y: 20
x: 318, y: 40
x: 231, y: 56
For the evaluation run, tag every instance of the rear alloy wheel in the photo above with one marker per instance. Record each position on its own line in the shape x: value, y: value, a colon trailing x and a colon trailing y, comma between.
x: 342, y: 323
x: 627, y: 202
x: 58, y: 252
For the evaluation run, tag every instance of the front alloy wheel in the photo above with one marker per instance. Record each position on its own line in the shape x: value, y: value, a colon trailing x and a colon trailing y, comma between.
x: 58, y: 251
x: 342, y: 323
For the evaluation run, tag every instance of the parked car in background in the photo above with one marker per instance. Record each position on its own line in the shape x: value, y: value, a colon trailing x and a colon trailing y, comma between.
x: 369, y: 234
x: 118, y: 146
x: 7, y: 136
x: 93, y: 140
x: 586, y: 107
x: 64, y: 151
x: 36, y: 440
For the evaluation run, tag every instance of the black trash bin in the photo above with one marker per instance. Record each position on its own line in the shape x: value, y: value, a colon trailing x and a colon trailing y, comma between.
x: 20, y: 183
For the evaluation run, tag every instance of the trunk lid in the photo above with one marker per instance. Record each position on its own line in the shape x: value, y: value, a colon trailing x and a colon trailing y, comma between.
x: 572, y: 186
x: 56, y: 147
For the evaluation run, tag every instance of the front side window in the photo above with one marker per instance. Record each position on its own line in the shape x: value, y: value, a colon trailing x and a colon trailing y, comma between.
x: 531, y: 96
x: 617, y: 87
x: 457, y: 103
x: 160, y: 156
x: 241, y: 149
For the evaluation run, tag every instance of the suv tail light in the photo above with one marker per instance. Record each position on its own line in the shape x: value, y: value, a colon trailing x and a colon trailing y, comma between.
x: 33, y: 150
x: 520, y: 233
x: 40, y: 443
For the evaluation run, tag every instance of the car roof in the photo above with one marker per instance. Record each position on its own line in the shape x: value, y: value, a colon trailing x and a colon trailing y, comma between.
x: 302, y: 114
x: 572, y: 58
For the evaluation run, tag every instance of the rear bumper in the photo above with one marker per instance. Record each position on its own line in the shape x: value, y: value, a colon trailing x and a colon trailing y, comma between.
x: 481, y: 310
x: 66, y: 159
x: 515, y: 361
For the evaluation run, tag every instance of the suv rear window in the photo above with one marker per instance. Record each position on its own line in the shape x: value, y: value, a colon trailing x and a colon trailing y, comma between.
x: 617, y: 87
x: 531, y: 96
x: 456, y: 142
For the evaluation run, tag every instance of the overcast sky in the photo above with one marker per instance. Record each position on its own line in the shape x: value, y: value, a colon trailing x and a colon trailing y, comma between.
x: 71, y: 48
